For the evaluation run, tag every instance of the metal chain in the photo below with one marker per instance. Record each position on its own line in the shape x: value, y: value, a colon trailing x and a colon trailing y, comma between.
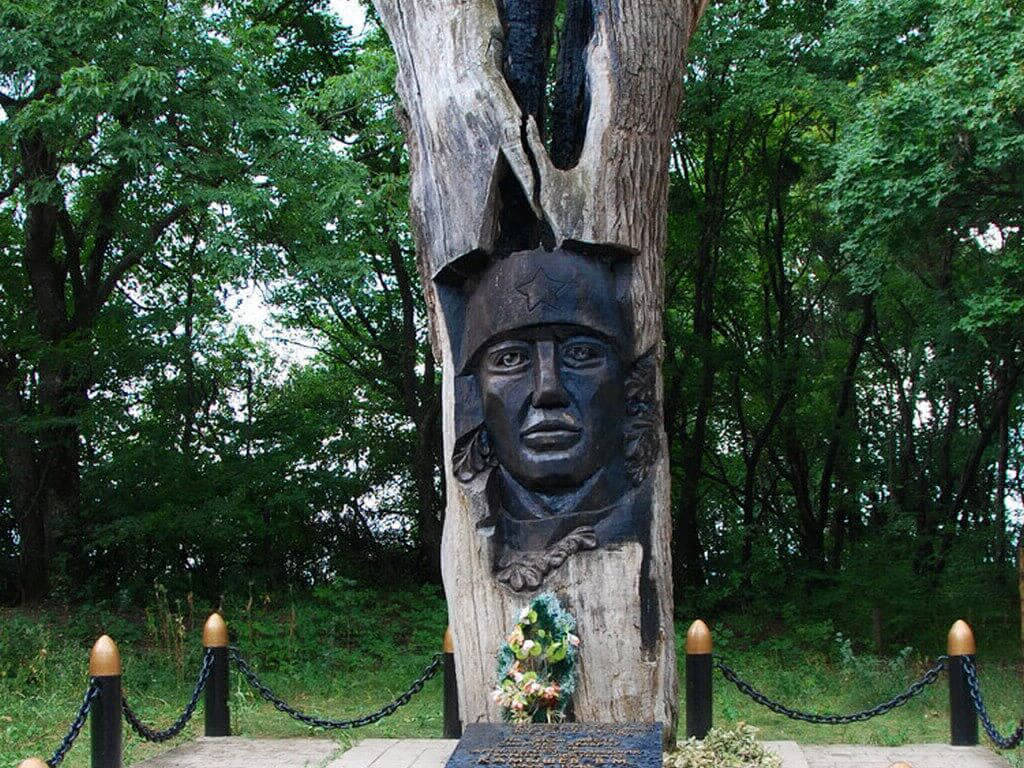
x: 169, y: 733
x: 76, y: 725
x: 319, y: 722
x: 915, y: 688
x: 1003, y: 742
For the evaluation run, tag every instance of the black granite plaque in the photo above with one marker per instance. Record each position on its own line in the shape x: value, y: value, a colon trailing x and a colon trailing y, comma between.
x: 561, y: 745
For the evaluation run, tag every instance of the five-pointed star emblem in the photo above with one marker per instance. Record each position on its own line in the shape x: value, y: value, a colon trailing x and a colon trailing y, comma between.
x: 542, y: 289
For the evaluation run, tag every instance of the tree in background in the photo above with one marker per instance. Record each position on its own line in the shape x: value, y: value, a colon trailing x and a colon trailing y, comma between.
x: 352, y: 286
x: 139, y: 140
x: 846, y: 344
x: 842, y: 328
x: 929, y: 188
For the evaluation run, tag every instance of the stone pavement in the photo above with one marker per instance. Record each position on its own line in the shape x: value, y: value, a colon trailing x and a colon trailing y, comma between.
x: 918, y: 755
x: 235, y: 752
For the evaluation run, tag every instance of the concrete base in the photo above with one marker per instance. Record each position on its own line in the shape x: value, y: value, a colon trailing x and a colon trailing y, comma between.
x: 235, y: 752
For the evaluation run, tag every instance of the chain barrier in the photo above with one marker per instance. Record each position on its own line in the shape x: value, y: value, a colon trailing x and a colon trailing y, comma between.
x: 76, y: 725
x: 915, y: 688
x: 319, y: 722
x: 169, y: 733
x: 1003, y: 742
x: 431, y: 670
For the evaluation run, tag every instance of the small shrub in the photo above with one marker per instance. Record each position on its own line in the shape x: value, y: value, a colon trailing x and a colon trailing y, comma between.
x: 24, y: 647
x: 724, y: 748
x: 166, y: 628
x: 869, y: 669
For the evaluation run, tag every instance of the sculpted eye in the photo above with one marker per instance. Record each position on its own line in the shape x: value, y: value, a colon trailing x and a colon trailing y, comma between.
x: 581, y: 353
x: 508, y: 359
x: 511, y: 359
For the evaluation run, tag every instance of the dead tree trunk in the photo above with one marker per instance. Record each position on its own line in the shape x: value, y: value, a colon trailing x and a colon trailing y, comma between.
x: 540, y: 252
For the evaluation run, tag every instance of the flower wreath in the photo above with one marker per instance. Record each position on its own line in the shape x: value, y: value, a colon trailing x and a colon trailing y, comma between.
x: 537, y: 664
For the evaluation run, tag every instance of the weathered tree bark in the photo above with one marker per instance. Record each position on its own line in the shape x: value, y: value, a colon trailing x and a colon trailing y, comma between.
x: 483, y: 181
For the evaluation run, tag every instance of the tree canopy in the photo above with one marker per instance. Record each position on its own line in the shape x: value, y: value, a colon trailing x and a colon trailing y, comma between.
x: 844, y: 327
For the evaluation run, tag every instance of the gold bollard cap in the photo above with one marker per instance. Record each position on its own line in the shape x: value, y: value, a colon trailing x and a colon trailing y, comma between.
x: 698, y: 639
x: 105, y: 659
x: 901, y: 765
x: 32, y: 762
x: 215, y: 632
x: 448, y: 645
x: 960, y: 641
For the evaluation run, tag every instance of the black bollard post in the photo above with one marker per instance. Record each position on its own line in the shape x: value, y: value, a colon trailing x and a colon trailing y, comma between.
x: 452, y: 722
x: 698, y: 680
x: 963, y: 720
x: 105, y: 715
x: 217, y: 714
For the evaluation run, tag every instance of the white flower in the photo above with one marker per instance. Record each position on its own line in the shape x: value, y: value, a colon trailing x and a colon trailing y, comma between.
x: 573, y: 640
x: 528, y: 645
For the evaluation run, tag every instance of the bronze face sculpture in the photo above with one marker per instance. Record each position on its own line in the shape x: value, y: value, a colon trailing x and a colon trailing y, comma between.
x: 555, y: 405
x: 553, y: 402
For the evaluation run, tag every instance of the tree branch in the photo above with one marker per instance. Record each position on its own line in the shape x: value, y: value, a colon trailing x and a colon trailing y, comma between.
x: 132, y: 258
x: 697, y: 8
x: 843, y: 405
x: 345, y: 358
x: 409, y: 340
x: 970, y: 473
x: 108, y: 200
x: 72, y: 252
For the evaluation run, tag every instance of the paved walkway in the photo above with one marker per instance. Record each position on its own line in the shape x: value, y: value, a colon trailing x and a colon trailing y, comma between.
x: 433, y: 753
x: 917, y: 755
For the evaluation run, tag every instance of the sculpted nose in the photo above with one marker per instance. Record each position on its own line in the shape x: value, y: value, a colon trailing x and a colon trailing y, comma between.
x: 548, y: 391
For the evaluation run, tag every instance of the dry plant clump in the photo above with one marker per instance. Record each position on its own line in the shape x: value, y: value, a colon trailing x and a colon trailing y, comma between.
x: 724, y: 748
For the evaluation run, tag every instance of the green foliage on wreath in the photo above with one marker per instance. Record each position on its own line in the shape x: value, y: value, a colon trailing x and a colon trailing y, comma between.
x: 537, y: 664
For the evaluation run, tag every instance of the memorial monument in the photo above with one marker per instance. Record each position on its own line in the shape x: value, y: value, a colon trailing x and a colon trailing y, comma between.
x: 554, y: 406
x: 539, y: 230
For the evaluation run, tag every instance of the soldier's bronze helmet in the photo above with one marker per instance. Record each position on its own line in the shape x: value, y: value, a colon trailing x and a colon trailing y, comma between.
x: 546, y: 288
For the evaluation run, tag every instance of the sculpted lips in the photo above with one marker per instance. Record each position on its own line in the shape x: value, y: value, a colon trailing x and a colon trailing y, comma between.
x: 551, y: 435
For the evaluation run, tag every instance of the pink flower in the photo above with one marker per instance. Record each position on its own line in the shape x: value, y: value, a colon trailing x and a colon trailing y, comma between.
x: 551, y: 691
x: 573, y: 640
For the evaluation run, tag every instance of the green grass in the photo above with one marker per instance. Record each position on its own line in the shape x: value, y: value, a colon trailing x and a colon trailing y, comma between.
x: 347, y: 650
